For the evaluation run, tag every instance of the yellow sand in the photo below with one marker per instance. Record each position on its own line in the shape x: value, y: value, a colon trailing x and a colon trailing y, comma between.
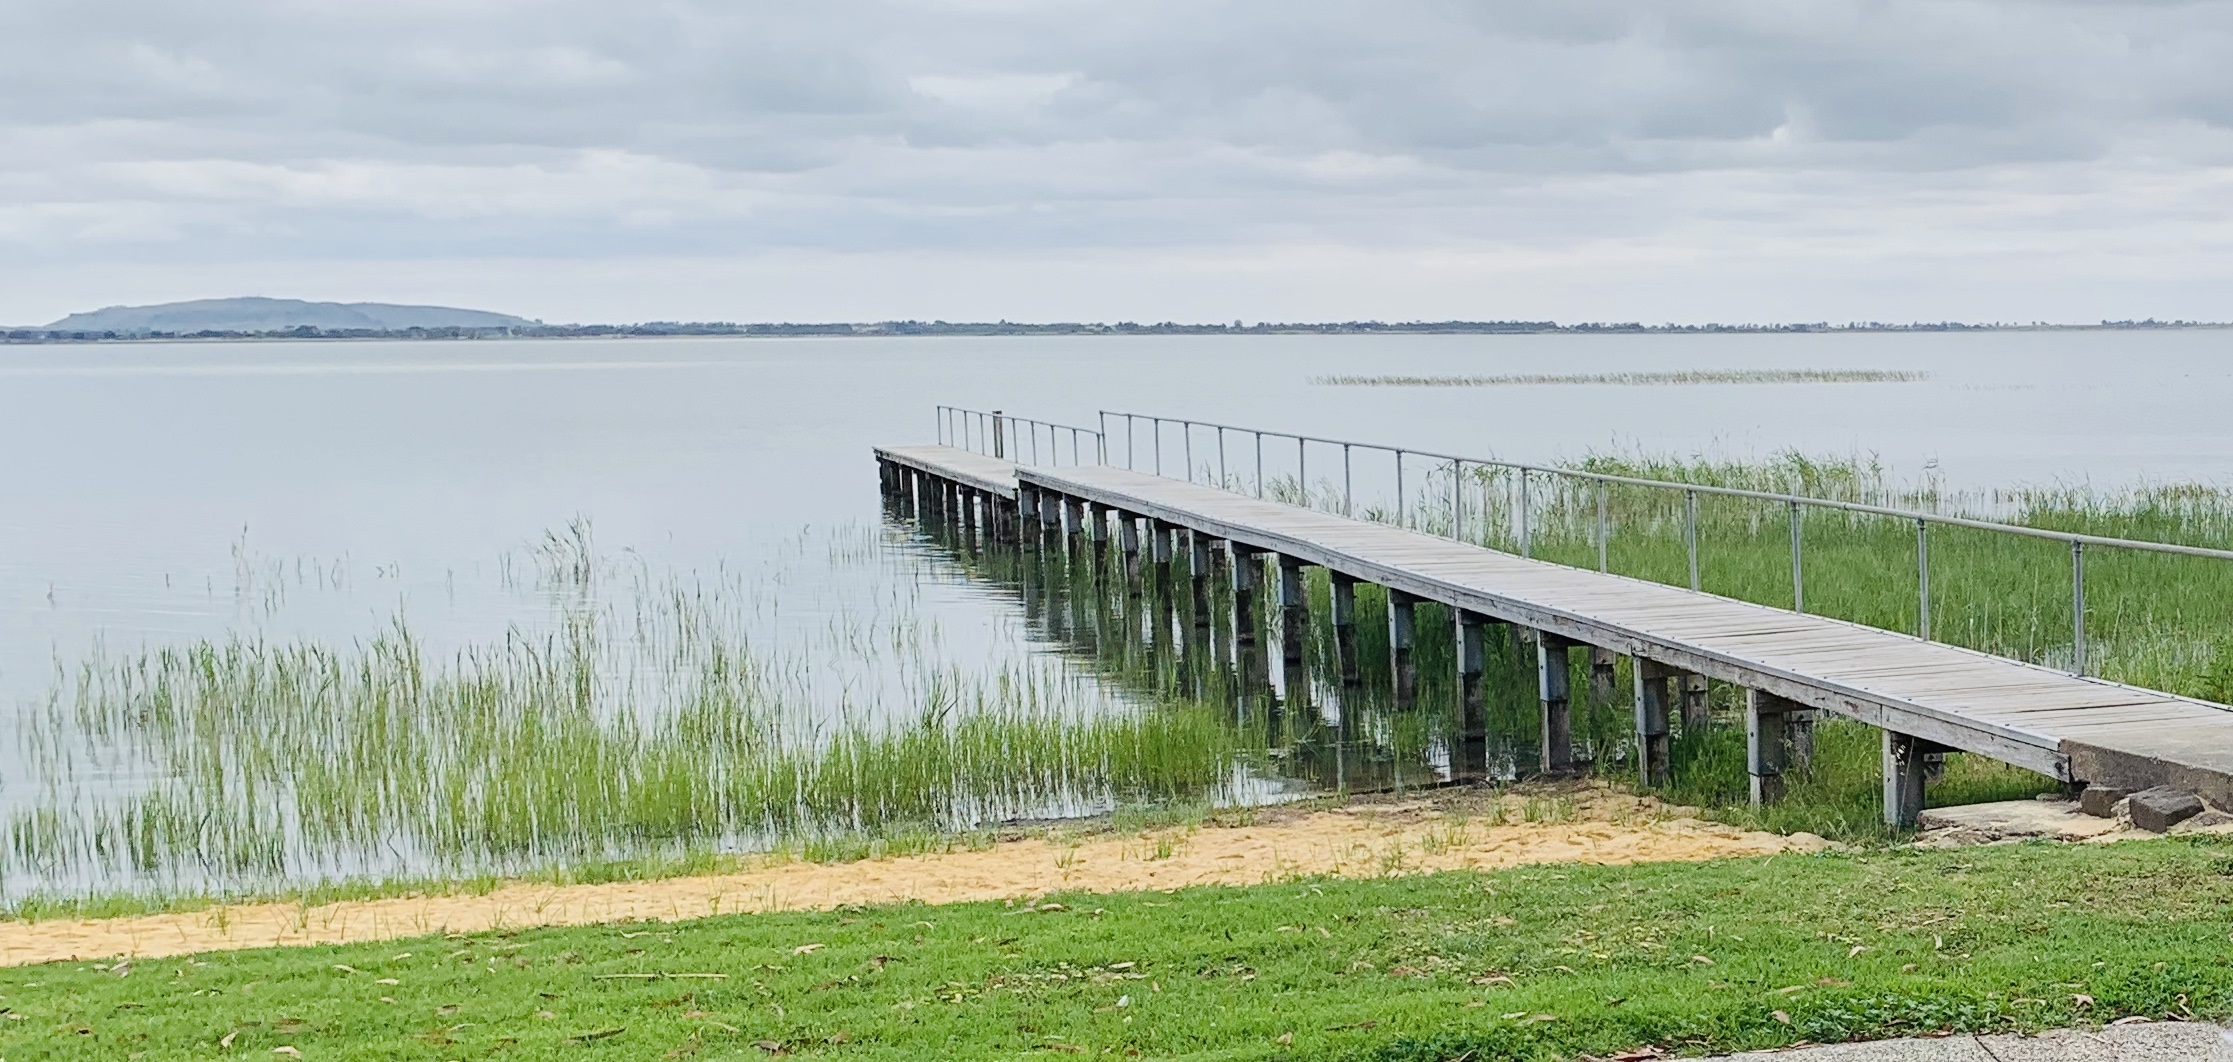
x: 1362, y: 841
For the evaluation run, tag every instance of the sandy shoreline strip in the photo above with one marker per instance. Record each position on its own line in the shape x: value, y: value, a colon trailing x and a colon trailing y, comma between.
x: 1362, y: 841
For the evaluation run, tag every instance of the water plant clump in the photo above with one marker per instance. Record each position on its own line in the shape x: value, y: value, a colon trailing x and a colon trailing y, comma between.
x: 1629, y: 379
x: 642, y: 716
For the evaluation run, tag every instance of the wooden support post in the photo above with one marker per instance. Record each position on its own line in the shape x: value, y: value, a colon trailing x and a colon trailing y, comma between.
x: 1652, y: 746
x: 1050, y: 511
x: 1073, y: 517
x: 1470, y: 759
x: 1128, y: 541
x: 1400, y: 608
x: 1198, y: 573
x: 1344, y: 609
x: 1697, y: 713
x: 1768, y: 743
x: 1161, y: 558
x: 1903, y: 778
x: 969, y: 514
x: 1294, y: 611
x: 1553, y: 681
x: 1604, y: 677
x: 1248, y: 577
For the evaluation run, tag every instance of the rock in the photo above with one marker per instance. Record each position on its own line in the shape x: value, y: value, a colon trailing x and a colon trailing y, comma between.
x: 2210, y: 820
x: 2006, y: 820
x: 2100, y: 801
x: 2157, y: 810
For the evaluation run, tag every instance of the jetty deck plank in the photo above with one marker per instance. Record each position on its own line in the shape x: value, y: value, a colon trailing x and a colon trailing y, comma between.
x: 2067, y: 726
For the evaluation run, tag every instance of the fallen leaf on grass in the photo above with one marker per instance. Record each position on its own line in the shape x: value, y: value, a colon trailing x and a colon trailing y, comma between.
x: 1285, y: 1039
x: 771, y: 1047
x: 387, y: 981
x: 1701, y: 960
x: 601, y: 1034
x: 286, y: 1051
x: 1781, y: 1017
x: 228, y: 1038
x: 806, y: 949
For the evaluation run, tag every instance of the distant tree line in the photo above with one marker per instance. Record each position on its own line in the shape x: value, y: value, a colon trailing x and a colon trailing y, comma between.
x: 1121, y: 328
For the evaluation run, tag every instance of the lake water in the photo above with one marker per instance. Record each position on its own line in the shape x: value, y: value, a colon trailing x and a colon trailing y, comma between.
x: 156, y: 494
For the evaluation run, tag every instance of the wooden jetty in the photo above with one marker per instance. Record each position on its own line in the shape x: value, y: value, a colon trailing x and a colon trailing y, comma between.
x: 1927, y: 697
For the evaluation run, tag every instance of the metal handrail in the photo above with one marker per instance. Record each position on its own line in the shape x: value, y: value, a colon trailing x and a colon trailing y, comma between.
x: 1796, y: 503
x: 998, y: 434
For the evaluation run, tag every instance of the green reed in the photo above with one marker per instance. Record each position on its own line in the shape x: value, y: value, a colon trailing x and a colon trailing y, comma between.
x: 1632, y: 379
x: 642, y: 717
x: 2154, y: 620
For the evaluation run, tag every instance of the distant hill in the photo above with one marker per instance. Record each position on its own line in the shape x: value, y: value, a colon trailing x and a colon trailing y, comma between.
x: 276, y: 315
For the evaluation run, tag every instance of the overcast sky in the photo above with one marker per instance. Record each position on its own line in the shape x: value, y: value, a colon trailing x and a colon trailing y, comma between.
x: 1661, y: 160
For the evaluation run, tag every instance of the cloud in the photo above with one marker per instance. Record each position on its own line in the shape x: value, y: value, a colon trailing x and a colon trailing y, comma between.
x: 1834, y: 137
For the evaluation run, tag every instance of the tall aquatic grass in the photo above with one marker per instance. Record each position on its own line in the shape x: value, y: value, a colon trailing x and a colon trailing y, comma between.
x: 2154, y: 620
x: 642, y: 716
x: 1632, y: 379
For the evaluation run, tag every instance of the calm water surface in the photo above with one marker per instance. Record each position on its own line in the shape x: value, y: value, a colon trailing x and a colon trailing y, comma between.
x: 157, y: 494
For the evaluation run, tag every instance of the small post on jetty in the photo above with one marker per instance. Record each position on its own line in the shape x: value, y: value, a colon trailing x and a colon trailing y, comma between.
x: 1473, y: 660
x: 1554, y: 663
x: 1697, y: 713
x: 1128, y: 542
x: 1344, y: 609
x: 1903, y: 777
x: 1652, y: 746
x: 1294, y: 627
x: 1248, y: 576
x: 1400, y: 609
x: 1768, y: 720
x: 1294, y: 611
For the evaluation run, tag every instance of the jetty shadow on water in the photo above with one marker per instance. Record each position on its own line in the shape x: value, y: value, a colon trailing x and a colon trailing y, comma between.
x: 1178, y: 622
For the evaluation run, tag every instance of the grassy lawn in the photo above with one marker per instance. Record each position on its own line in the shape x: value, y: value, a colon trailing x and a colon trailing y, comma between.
x: 1543, y: 962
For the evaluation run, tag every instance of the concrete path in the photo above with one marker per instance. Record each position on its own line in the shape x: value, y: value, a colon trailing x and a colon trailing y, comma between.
x: 2158, y: 1042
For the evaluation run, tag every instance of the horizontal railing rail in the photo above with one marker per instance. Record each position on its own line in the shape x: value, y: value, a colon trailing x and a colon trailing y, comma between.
x: 1796, y: 504
x: 1017, y: 439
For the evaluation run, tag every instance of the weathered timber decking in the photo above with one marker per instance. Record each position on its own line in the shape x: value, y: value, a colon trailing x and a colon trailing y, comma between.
x: 991, y: 474
x: 2072, y: 728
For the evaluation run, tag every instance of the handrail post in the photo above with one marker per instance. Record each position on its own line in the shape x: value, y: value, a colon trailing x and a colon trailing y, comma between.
x: 1457, y: 500
x: 1259, y: 463
x: 1690, y: 534
x: 1923, y: 578
x: 1102, y: 421
x: 1527, y: 540
x: 1604, y: 531
x: 1403, y: 515
x: 1158, y: 422
x: 1798, y: 576
x: 999, y: 441
x: 1187, y: 426
x: 1302, y: 469
x: 1224, y: 482
x: 1128, y: 440
x: 1348, y: 485
x: 2077, y: 607
x: 938, y: 416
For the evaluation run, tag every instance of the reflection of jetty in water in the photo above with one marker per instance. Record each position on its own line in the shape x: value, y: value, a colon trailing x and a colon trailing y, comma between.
x: 1351, y: 694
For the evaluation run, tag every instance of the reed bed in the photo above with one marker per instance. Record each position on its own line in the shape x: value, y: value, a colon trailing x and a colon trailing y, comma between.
x: 641, y: 717
x: 1631, y: 379
x: 2154, y: 620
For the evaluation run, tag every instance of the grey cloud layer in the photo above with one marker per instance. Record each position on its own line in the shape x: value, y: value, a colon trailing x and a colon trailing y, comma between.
x: 570, y: 128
